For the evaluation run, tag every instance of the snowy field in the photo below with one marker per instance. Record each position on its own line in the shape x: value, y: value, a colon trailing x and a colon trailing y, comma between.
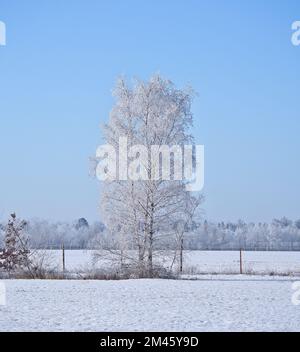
x: 231, y: 303
x: 202, y: 262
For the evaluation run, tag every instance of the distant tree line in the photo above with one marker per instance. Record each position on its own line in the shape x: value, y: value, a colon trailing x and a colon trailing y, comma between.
x: 280, y: 234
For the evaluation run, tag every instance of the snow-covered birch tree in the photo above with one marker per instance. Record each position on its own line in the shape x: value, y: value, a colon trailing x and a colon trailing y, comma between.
x: 144, y: 207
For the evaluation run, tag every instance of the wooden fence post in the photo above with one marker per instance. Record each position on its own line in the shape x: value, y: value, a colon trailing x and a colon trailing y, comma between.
x: 181, y: 256
x: 241, y: 262
x: 63, y: 258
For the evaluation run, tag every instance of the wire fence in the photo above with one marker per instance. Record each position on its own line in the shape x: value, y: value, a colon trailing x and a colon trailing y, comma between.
x: 196, y: 262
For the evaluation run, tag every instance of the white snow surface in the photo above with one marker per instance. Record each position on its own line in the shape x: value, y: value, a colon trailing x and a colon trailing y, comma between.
x: 224, y: 303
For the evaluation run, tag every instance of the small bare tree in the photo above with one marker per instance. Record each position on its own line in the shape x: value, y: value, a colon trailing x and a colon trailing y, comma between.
x: 189, y: 217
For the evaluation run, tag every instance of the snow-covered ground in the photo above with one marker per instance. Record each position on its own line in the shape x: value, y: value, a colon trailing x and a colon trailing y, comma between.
x: 199, y: 262
x: 229, y: 303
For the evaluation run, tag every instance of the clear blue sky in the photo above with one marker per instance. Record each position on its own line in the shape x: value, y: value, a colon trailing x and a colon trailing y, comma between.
x: 63, y: 57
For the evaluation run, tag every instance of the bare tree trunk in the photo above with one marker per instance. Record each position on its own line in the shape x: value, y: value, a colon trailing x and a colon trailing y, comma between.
x: 150, y: 248
x: 150, y: 254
